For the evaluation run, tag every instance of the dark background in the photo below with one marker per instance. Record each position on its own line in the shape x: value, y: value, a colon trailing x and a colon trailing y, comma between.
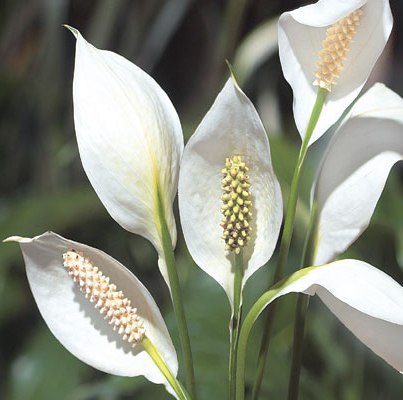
x: 183, y: 44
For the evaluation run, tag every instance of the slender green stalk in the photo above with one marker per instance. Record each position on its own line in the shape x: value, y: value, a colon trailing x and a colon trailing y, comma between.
x: 310, y: 237
x: 177, y: 298
x: 250, y: 319
x: 235, y: 322
x: 163, y: 367
x: 301, y: 311
x: 286, y: 237
x: 299, y: 328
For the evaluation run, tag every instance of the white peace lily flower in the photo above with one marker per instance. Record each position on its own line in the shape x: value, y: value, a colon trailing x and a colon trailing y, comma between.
x: 354, y: 171
x: 230, y: 138
x: 356, y: 32
x: 84, y: 324
x: 130, y: 140
x: 366, y: 300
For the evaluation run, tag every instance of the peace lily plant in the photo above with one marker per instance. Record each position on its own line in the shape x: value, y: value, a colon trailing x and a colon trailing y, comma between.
x: 230, y: 204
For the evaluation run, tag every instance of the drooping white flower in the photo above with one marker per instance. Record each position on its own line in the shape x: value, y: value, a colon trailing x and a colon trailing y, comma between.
x: 130, y: 140
x: 354, y: 171
x: 226, y: 166
x: 350, y: 34
x: 58, y: 268
x: 366, y: 300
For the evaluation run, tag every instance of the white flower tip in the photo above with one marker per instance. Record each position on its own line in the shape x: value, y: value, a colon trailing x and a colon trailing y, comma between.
x: 17, y: 239
x: 74, y: 31
x: 229, y: 65
x: 232, y: 77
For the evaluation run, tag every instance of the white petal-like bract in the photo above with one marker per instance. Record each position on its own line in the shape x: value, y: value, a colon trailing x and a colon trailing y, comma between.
x: 231, y: 127
x: 355, y: 169
x: 78, y: 325
x: 366, y: 300
x: 301, y: 33
x: 129, y: 137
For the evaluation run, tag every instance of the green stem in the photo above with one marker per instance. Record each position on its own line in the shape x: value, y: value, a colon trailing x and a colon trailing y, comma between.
x: 176, y: 298
x: 299, y: 328
x: 250, y: 319
x: 235, y: 322
x: 310, y: 237
x: 286, y: 236
x: 163, y: 367
x: 301, y: 311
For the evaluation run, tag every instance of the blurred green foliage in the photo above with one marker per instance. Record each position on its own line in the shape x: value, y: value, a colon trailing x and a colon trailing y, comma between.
x: 183, y: 44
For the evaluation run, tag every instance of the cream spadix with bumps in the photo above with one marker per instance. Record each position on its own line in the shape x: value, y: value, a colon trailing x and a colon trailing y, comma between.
x: 335, y: 48
x: 237, y: 204
x: 355, y: 168
x: 332, y: 45
x: 130, y: 140
x: 110, y: 301
x: 229, y: 196
x: 82, y: 294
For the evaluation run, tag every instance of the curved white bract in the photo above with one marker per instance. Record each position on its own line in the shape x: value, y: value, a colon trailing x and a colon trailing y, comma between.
x: 78, y: 325
x: 129, y: 137
x: 231, y: 127
x: 355, y: 169
x: 366, y: 300
x: 301, y: 33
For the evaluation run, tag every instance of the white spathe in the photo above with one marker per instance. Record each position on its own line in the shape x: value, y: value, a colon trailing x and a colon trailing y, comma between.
x: 231, y: 127
x: 129, y: 137
x: 355, y: 169
x: 301, y: 33
x: 366, y: 300
x: 78, y: 325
